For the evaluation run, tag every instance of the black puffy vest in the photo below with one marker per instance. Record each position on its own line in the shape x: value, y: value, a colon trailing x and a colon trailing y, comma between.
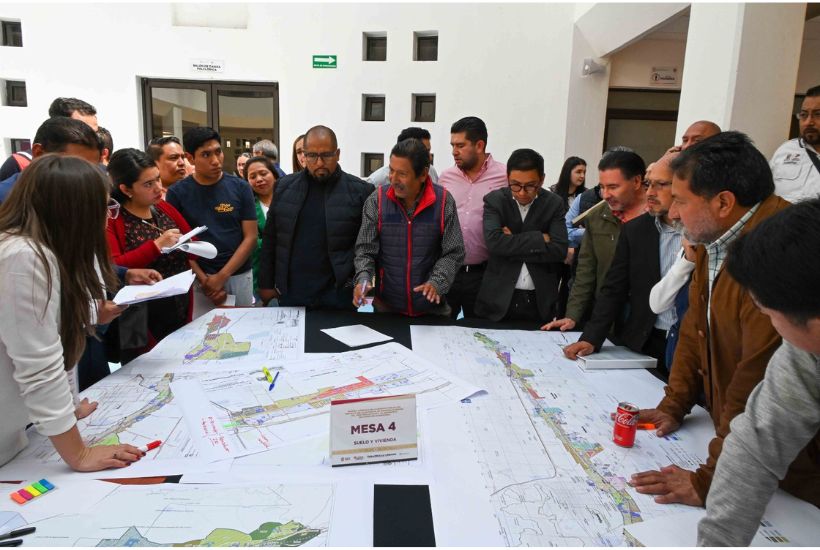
x: 343, y: 218
x: 409, y: 247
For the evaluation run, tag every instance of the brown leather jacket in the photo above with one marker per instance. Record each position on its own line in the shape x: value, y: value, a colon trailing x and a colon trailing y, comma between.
x: 725, y: 358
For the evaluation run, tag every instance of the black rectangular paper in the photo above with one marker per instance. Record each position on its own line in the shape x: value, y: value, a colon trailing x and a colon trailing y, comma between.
x: 402, y: 516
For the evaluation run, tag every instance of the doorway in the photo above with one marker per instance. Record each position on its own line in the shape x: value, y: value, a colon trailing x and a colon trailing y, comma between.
x: 643, y: 120
x: 242, y: 113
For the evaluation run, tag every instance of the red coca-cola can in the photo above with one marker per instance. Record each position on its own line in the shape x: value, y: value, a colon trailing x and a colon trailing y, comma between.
x: 626, y: 424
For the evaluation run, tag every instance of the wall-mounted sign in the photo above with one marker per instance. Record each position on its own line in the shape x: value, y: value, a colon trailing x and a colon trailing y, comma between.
x: 664, y: 76
x: 208, y: 65
x: 324, y: 61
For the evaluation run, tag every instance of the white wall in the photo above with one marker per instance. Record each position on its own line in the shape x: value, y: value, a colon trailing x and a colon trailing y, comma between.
x: 742, y: 69
x: 504, y: 63
x: 632, y: 66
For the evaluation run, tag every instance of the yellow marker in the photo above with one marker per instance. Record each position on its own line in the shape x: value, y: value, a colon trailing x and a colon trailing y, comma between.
x: 33, y: 491
x: 267, y: 375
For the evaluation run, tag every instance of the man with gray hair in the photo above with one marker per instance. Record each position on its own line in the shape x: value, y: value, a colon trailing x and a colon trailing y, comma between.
x: 267, y: 148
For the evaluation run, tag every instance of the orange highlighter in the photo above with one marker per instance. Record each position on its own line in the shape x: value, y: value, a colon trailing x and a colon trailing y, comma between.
x: 641, y: 426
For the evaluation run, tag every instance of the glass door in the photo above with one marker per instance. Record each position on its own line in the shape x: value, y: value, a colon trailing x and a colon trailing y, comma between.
x: 242, y: 113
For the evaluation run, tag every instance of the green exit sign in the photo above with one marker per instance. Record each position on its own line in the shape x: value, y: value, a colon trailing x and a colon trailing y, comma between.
x: 324, y: 61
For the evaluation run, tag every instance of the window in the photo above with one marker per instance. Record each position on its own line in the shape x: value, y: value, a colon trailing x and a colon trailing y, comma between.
x: 15, y: 94
x: 375, y: 47
x: 12, y: 34
x: 373, y: 107
x: 425, y: 47
x: 424, y: 108
x: 18, y: 145
x: 371, y: 162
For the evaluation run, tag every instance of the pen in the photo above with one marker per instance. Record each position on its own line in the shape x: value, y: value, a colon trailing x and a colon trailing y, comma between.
x: 273, y: 382
x: 362, y: 292
x: 13, y: 542
x: 18, y: 533
x: 150, y: 446
x: 267, y: 375
x: 146, y: 222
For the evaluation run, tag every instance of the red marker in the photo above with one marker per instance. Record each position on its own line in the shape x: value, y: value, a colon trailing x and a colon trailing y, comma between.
x: 152, y: 445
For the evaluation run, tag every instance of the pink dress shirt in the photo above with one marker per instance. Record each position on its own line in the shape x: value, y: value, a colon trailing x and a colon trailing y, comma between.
x: 469, y: 196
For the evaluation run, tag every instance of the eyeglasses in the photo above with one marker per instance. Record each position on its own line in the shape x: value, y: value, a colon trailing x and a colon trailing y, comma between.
x: 113, y: 209
x: 805, y: 115
x: 326, y: 156
x: 656, y: 184
x: 517, y: 187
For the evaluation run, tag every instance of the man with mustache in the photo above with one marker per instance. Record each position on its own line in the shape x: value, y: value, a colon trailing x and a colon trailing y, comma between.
x: 410, y: 238
x: 647, y: 248
x: 721, y: 188
x: 620, y: 176
x: 795, y: 164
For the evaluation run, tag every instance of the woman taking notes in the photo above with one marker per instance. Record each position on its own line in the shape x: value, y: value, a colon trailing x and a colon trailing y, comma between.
x: 52, y: 231
x: 145, y: 226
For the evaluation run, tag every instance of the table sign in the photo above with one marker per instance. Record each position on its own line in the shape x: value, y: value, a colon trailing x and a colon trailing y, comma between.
x: 374, y: 429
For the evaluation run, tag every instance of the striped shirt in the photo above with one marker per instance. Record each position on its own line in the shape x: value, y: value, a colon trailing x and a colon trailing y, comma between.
x: 717, y: 252
x: 670, y: 246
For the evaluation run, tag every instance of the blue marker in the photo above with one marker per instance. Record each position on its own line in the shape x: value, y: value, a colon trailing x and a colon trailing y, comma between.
x: 273, y: 382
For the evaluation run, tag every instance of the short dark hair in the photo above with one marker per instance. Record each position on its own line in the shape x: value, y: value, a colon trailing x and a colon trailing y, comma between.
x: 777, y: 261
x: 105, y: 138
x: 264, y: 159
x: 814, y: 91
x: 322, y: 130
x: 728, y: 161
x: 627, y: 161
x: 415, y: 151
x: 413, y: 132
x: 125, y: 167
x: 155, y: 146
x: 525, y: 160
x: 196, y: 137
x: 66, y: 106
x: 472, y: 126
x: 57, y: 132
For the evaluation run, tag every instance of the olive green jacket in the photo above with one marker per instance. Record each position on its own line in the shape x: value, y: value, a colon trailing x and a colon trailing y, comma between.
x: 597, y: 251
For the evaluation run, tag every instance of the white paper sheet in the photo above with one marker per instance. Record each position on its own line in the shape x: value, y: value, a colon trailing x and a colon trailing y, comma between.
x: 548, y: 473
x: 234, y: 338
x: 258, y: 514
x: 69, y: 495
x: 185, y: 238
x: 356, y: 335
x: 172, y: 286
x: 788, y: 521
x: 199, y: 248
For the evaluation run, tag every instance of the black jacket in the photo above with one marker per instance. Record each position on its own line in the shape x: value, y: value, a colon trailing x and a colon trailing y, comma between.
x: 343, y: 215
x: 526, y: 244
x: 624, y: 297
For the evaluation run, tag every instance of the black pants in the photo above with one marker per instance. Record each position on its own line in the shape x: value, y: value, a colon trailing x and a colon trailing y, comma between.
x: 656, y: 347
x: 523, y: 307
x: 465, y: 289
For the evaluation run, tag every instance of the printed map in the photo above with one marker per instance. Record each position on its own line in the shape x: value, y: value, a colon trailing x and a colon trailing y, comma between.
x: 543, y: 439
x: 197, y: 515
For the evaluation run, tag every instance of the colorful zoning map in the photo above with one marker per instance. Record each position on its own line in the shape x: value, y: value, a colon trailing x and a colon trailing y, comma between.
x: 233, y: 414
x: 235, y: 337
x: 216, y: 344
x: 197, y: 516
x: 543, y: 439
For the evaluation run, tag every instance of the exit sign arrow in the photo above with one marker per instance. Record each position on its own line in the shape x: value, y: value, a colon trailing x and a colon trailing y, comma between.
x: 324, y: 61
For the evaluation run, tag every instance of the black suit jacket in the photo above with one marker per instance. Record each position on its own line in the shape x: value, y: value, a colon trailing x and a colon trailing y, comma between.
x: 624, y: 298
x: 526, y: 244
